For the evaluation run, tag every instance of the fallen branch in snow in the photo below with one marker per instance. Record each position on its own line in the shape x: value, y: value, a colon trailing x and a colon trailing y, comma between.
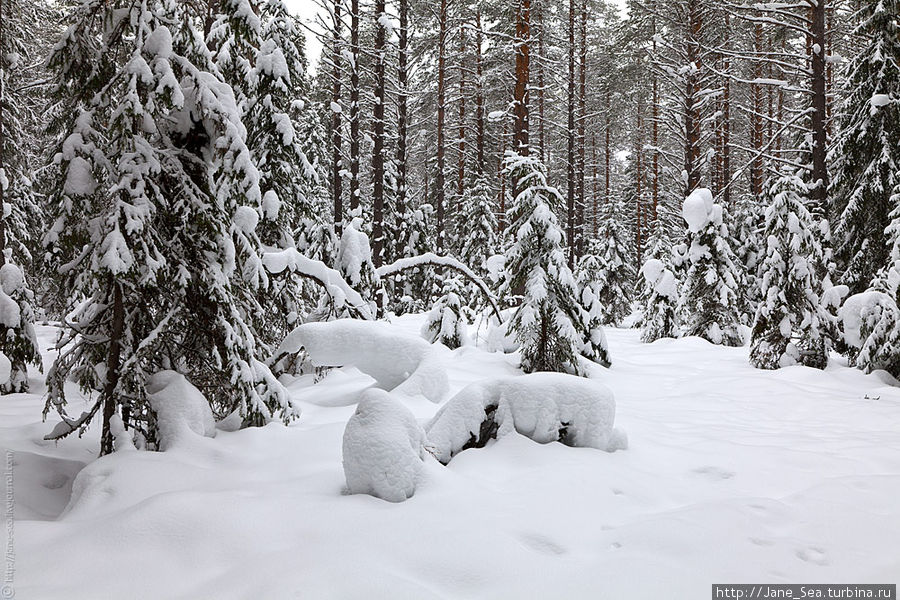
x: 430, y: 259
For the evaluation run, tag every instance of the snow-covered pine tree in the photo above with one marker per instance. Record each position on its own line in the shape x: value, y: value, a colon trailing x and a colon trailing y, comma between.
x: 154, y: 213
x: 786, y: 329
x: 871, y: 325
x: 616, y: 275
x: 446, y: 323
x: 235, y: 37
x: 19, y: 200
x: 548, y: 323
x: 659, y: 293
x: 866, y: 153
x: 589, y: 279
x: 708, y: 306
x: 748, y: 248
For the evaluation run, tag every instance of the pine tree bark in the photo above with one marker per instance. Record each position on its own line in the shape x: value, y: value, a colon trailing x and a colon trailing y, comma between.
x: 582, y: 123
x: 692, y: 124
x: 756, y: 120
x: 402, y: 104
x: 441, y: 108
x: 461, y: 126
x: 818, y: 122
x: 354, y: 107
x: 378, y: 150
x: 479, y: 98
x: 336, y: 136
x: 542, y: 136
x: 570, y: 142
x: 520, y: 91
x: 726, y: 123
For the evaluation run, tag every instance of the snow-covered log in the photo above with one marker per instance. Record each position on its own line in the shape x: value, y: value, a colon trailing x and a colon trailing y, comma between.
x: 399, y: 362
x: 546, y: 407
x: 338, y: 290
x: 383, y: 448
x: 429, y: 259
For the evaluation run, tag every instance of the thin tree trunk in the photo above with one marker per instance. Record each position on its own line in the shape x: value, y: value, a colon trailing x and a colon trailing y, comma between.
x: 113, y: 360
x: 479, y: 98
x: 461, y: 141
x: 402, y: 108
x: 542, y: 137
x: 336, y: 137
x: 726, y: 124
x: 354, y: 107
x: 570, y: 141
x: 501, y: 202
x: 520, y: 92
x: 692, y: 125
x: 378, y: 150
x: 441, y: 92
x: 756, y: 121
x: 582, y: 118
x: 2, y: 146
x: 594, y: 190
x: 818, y: 121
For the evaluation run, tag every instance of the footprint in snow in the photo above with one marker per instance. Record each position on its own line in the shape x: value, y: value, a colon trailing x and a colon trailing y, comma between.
x: 542, y: 544
x: 714, y: 473
x: 814, y: 555
x: 761, y: 542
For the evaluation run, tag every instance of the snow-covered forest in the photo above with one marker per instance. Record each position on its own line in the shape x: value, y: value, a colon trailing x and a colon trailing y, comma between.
x: 486, y: 299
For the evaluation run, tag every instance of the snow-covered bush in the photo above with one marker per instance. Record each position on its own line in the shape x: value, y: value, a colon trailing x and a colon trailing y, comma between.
x: 399, y: 362
x: 546, y: 407
x: 786, y: 329
x: 383, y: 448
x: 548, y: 322
x: 871, y: 324
x: 181, y: 409
x: 446, y: 323
x: 708, y: 305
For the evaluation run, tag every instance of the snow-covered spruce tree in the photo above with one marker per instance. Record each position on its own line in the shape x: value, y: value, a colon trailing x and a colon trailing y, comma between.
x: 616, y: 275
x: 478, y: 225
x: 446, y: 323
x: 708, y: 306
x: 412, y: 291
x: 659, y: 293
x: 866, y: 153
x: 154, y: 213
x: 589, y: 274
x: 786, y: 329
x: 18, y: 198
x: 748, y: 248
x: 548, y: 323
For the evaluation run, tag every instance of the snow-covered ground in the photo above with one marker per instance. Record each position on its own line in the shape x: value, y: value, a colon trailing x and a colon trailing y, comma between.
x: 732, y: 475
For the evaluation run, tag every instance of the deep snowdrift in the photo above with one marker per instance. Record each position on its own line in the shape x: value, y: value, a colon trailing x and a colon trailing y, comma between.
x: 732, y: 475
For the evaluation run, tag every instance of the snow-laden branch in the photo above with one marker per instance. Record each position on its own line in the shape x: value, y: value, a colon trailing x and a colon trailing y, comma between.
x: 338, y: 290
x: 430, y: 259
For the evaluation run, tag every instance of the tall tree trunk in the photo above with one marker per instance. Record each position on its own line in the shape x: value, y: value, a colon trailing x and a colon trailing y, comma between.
x: 692, y: 124
x: 378, y: 150
x: 818, y: 123
x: 354, y: 107
x: 607, y: 146
x: 461, y: 140
x: 2, y: 144
x: 479, y: 98
x: 756, y: 120
x: 655, y: 116
x: 336, y: 136
x: 726, y: 123
x: 594, y: 183
x: 542, y: 137
x: 570, y: 141
x: 441, y: 93
x: 501, y: 202
x: 113, y: 364
x: 582, y: 119
x: 402, y: 108
x: 520, y: 91
x: 639, y: 175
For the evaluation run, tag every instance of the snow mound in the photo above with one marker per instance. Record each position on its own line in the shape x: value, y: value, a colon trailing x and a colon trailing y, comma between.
x: 546, y: 407
x: 398, y: 362
x: 181, y: 409
x: 697, y: 209
x: 12, y: 279
x: 383, y: 448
